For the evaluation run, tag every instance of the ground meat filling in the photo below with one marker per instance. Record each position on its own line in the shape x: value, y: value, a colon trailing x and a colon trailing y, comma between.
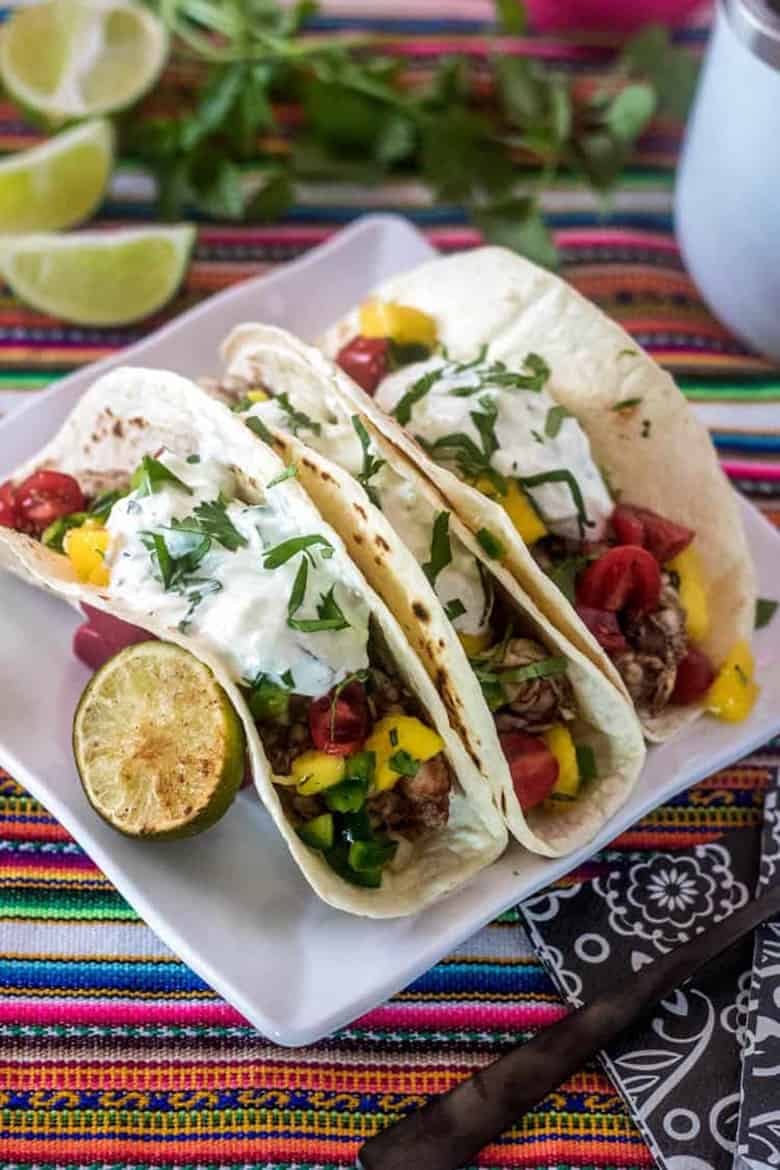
x: 413, y: 806
x: 658, y: 642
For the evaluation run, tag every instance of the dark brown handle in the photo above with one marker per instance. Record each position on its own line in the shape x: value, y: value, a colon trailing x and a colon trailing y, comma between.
x: 451, y: 1130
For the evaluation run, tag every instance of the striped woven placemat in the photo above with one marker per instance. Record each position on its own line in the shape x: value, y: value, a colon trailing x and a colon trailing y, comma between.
x: 112, y: 1053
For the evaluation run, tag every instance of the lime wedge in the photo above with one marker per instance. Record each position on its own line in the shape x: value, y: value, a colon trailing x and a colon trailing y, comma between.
x: 74, y: 58
x: 158, y: 744
x: 98, y: 278
x: 59, y: 183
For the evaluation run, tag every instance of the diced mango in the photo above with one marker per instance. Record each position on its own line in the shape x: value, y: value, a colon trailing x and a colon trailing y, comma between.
x: 400, y: 733
x: 734, y: 692
x: 475, y: 644
x: 561, y: 744
x: 315, y: 771
x: 86, y: 548
x: 257, y: 395
x: 693, y: 593
x: 401, y: 323
x: 518, y: 508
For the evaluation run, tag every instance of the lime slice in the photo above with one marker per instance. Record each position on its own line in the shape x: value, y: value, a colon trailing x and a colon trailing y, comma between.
x: 59, y: 183
x: 98, y: 278
x: 74, y: 58
x: 158, y: 744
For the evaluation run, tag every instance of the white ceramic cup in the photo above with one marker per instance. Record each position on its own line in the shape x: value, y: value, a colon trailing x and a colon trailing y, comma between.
x: 727, y: 208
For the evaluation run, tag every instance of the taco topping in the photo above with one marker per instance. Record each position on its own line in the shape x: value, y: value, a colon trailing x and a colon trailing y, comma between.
x: 355, y: 762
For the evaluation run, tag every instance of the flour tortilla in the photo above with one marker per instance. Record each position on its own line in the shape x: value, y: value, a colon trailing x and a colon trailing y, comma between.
x: 657, y: 455
x: 267, y: 356
x: 132, y: 412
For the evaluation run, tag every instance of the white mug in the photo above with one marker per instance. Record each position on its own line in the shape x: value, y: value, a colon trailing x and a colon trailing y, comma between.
x: 727, y: 206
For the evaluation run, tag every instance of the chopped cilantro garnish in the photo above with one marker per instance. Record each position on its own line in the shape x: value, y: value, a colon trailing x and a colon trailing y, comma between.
x: 393, y: 737
x: 490, y: 543
x: 560, y: 476
x: 406, y: 355
x: 765, y: 611
x: 151, y: 475
x: 554, y: 420
x: 454, y: 609
x: 173, y: 569
x: 441, y: 553
x: 404, y: 763
x: 281, y: 553
x: 298, y: 590
x: 329, y: 615
x: 402, y: 410
x: 629, y: 353
x: 193, y: 459
x: 258, y: 427
x: 288, y: 473
x: 298, y: 421
x: 197, y: 588
x: 371, y: 463
x: 211, y: 519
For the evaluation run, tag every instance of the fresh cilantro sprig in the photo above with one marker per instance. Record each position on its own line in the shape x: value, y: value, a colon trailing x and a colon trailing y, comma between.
x: 372, y: 464
x: 361, y: 122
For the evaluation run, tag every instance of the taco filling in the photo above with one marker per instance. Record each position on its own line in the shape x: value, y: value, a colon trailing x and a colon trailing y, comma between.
x: 632, y: 575
x: 525, y: 685
x: 360, y: 771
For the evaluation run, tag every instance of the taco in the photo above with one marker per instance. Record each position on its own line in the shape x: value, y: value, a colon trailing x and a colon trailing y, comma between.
x: 557, y: 743
x: 156, y: 505
x: 546, y: 426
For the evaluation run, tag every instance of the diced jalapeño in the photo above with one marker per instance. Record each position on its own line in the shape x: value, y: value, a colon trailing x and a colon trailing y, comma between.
x: 318, y: 832
x: 368, y: 855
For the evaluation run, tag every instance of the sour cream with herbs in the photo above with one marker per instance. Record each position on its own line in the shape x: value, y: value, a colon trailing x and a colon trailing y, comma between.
x: 411, y: 515
x: 533, y: 437
x: 231, y: 600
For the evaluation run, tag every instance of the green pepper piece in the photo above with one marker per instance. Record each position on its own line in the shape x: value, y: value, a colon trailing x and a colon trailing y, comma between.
x: 318, y: 832
x: 347, y: 797
x: 338, y: 860
x: 268, y: 702
x: 54, y: 535
x: 360, y: 767
x: 368, y: 855
x: 355, y: 826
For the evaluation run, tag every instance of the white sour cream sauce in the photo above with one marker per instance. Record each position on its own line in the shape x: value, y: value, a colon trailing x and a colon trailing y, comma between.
x: 410, y: 514
x: 523, y: 447
x: 245, y: 622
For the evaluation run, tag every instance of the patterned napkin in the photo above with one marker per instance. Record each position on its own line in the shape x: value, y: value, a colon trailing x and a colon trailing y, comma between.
x: 758, y: 1140
x: 679, y: 1072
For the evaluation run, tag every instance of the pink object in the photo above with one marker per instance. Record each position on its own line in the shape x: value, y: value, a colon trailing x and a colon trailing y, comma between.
x: 623, y: 16
x: 102, y: 636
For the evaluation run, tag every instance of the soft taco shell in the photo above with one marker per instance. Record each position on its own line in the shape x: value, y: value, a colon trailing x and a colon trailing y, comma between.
x: 657, y: 454
x: 132, y: 412
x: 265, y: 355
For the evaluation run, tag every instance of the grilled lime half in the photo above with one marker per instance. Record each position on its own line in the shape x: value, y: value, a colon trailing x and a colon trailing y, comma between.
x: 158, y: 744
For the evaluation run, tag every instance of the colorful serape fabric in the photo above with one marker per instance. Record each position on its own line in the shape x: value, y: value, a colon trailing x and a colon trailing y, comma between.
x: 112, y: 1053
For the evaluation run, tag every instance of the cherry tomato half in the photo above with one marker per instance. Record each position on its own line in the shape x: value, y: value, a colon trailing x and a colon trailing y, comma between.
x: 604, y: 627
x: 695, y: 675
x: 641, y: 526
x: 45, y: 496
x: 9, y: 510
x: 627, y: 578
x: 340, y: 728
x: 366, y: 360
x: 533, y: 767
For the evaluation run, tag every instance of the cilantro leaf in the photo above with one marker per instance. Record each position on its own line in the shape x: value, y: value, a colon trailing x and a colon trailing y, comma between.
x: 441, y: 553
x: 372, y: 464
x: 151, y: 475
x: 274, y: 557
x: 554, y: 420
x: 402, y: 411
x: 298, y: 421
x: 211, y: 519
x: 289, y: 472
x: 404, y: 763
x: 454, y: 609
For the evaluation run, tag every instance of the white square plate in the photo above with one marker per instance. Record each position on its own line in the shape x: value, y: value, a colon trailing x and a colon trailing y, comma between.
x: 231, y: 903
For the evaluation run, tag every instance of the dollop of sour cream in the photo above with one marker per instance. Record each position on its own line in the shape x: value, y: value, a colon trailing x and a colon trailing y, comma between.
x: 411, y: 515
x: 530, y: 440
x: 242, y: 614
